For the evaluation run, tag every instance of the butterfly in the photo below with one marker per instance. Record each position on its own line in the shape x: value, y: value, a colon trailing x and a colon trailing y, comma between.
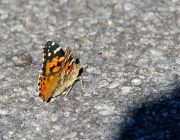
x: 59, y: 71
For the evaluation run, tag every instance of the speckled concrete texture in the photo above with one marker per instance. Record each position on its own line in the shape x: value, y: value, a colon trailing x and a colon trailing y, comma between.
x: 129, y: 51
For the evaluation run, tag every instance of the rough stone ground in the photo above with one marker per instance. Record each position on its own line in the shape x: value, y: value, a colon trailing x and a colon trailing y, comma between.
x: 130, y: 54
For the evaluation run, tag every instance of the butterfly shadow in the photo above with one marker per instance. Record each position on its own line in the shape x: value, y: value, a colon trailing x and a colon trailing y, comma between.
x: 158, y: 119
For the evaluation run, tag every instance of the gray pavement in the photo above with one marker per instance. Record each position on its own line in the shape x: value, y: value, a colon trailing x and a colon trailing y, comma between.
x: 129, y: 51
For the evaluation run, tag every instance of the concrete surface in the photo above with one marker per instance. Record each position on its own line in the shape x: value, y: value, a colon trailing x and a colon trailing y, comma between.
x: 130, y: 54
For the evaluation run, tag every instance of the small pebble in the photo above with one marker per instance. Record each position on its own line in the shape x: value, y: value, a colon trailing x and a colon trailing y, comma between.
x: 136, y: 82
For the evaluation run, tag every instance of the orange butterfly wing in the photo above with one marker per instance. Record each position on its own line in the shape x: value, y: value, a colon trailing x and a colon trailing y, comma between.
x: 46, y: 85
x: 52, y: 65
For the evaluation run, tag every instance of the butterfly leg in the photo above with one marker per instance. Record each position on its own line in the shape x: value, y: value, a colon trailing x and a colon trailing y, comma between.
x: 80, y: 78
x: 65, y: 97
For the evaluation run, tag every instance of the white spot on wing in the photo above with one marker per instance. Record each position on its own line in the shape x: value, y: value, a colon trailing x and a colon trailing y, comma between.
x: 49, y: 54
x: 53, y: 43
x: 55, y: 51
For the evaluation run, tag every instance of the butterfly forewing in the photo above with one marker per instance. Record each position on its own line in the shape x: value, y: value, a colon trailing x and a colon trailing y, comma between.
x: 53, y: 58
x: 52, y: 65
